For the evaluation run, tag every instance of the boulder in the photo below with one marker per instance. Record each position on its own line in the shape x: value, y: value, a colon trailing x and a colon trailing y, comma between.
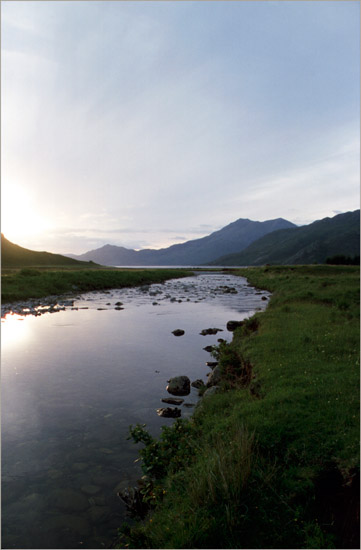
x: 206, y: 331
x: 169, y: 412
x: 179, y: 385
x: 212, y: 391
x: 197, y: 384
x: 173, y: 400
x: 212, y: 364
x: 214, y: 377
x: 178, y: 332
x: 208, y: 348
x: 232, y: 325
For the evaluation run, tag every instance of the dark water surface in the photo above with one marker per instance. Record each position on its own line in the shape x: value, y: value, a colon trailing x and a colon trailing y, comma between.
x: 73, y: 382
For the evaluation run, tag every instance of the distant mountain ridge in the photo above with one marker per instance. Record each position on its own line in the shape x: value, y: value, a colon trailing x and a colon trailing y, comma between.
x: 13, y: 255
x: 232, y: 238
x: 312, y: 243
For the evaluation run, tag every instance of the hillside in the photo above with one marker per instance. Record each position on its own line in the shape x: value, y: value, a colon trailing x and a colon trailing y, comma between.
x: 308, y: 244
x: 232, y: 238
x: 13, y: 255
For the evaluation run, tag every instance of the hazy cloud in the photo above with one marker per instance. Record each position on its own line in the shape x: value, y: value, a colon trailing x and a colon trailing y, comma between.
x: 144, y: 123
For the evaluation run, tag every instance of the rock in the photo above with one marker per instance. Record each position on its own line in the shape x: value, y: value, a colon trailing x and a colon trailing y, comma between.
x: 264, y: 298
x: 232, y: 325
x: 179, y: 385
x: 214, y: 378
x: 197, y: 384
x: 211, y: 391
x: 189, y: 405
x: 90, y: 489
x: 169, y: 412
x: 206, y: 331
x: 209, y: 348
x: 172, y: 400
x: 98, y: 513
x: 75, y: 524
x: 66, y: 302
x: 178, y: 332
x: 118, y: 303
x: 69, y: 500
x: 212, y: 364
x: 119, y: 308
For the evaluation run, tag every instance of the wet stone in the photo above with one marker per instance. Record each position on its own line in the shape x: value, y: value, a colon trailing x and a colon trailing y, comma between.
x: 169, y: 412
x: 90, y: 489
x: 172, y: 400
x: 69, y: 500
x: 98, y: 513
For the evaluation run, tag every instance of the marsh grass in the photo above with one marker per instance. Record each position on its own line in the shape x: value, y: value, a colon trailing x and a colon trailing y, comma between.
x: 277, y: 469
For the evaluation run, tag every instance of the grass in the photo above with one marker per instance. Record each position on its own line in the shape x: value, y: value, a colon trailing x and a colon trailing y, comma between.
x: 27, y: 283
x: 274, y: 459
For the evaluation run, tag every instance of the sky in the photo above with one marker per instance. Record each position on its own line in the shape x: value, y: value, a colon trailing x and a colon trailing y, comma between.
x: 146, y: 124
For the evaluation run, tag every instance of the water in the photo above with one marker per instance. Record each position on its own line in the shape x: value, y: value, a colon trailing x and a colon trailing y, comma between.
x: 73, y: 382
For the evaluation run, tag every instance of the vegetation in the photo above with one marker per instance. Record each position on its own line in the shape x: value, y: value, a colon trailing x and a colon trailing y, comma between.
x: 34, y: 283
x: 307, y: 244
x: 273, y: 460
x: 341, y: 259
x: 13, y: 256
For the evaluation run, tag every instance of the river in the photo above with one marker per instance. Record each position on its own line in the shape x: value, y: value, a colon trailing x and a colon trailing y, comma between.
x: 72, y: 383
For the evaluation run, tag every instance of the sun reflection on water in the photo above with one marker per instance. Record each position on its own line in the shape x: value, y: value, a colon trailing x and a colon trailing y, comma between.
x: 15, y: 330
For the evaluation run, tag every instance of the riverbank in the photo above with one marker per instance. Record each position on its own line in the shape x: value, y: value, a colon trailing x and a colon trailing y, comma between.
x: 272, y: 461
x: 32, y: 283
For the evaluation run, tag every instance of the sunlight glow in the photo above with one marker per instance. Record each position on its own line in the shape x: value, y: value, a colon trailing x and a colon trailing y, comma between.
x: 21, y: 217
x: 15, y: 331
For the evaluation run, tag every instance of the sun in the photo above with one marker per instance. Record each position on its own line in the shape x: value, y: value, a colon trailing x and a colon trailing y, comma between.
x: 21, y: 216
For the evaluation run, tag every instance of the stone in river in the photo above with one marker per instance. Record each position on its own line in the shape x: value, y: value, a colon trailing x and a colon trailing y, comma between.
x: 90, y: 489
x: 178, y: 332
x: 76, y: 524
x: 214, y: 377
x: 69, y: 500
x: 197, y: 384
x: 179, y: 385
x: 206, y: 331
x: 98, y: 513
x: 232, y: 325
x: 212, y: 364
x: 211, y: 391
x: 172, y: 400
x: 169, y: 412
x: 208, y: 348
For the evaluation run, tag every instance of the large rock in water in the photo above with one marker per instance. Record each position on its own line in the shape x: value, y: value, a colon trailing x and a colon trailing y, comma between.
x: 179, y: 385
x: 214, y: 377
x: 169, y: 412
x: 232, y: 325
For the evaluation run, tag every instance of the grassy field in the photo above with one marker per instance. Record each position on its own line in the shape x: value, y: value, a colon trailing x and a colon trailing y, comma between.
x: 26, y: 283
x: 273, y: 460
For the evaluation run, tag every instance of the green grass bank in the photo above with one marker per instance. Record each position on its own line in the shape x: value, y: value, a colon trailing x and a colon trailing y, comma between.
x: 27, y: 283
x: 272, y: 461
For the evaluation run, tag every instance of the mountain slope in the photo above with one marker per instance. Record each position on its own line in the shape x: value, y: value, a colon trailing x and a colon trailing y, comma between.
x: 232, y: 238
x: 13, y: 255
x: 308, y: 244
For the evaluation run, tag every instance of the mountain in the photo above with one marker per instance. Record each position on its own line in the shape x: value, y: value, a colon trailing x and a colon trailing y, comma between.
x: 13, y: 255
x: 232, y: 238
x: 308, y: 244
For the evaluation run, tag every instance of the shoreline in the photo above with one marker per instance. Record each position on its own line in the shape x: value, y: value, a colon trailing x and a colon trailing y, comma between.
x: 278, y: 446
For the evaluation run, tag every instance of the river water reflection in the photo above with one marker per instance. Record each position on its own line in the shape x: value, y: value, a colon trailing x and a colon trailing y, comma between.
x: 73, y: 382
